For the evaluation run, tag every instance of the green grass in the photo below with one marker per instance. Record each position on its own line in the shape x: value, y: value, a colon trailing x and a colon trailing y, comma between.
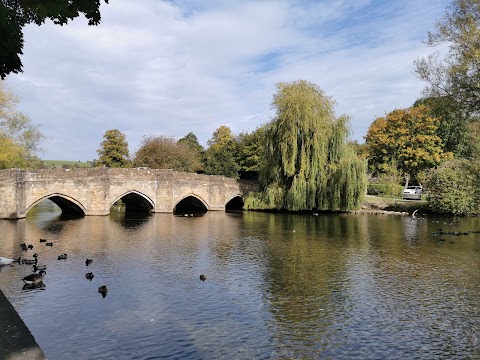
x: 377, y: 202
x: 65, y: 163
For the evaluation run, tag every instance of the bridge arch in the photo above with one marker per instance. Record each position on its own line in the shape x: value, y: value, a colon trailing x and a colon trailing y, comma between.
x: 66, y: 203
x: 190, y: 203
x: 135, y: 201
x: 235, y: 203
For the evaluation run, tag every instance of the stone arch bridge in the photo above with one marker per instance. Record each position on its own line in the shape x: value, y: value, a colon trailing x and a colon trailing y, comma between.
x: 92, y: 191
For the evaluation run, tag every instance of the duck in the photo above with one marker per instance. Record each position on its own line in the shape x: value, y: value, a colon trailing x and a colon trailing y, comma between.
x: 88, y: 262
x: 24, y: 247
x: 29, y: 261
x: 89, y: 276
x: 39, y: 267
x: 103, y: 290
x: 203, y: 277
x: 62, y: 257
x: 34, y: 278
x: 30, y: 246
x: 49, y: 244
x: 43, y: 240
x: 7, y: 261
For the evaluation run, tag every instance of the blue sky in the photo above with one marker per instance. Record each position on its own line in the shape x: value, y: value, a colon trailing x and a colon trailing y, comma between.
x: 157, y: 67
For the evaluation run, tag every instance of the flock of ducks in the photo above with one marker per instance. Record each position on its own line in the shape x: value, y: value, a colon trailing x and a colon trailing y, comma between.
x: 35, y: 280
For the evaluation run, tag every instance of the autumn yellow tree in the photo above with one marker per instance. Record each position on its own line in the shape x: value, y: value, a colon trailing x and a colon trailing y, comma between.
x: 114, y: 150
x: 20, y: 139
x: 406, y: 139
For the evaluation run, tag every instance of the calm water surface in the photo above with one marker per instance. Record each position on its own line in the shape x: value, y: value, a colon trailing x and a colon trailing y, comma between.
x: 278, y: 286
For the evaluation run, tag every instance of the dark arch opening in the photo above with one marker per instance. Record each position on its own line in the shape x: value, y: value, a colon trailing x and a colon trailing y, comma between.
x: 235, y: 204
x: 134, y: 202
x: 68, y: 207
x: 190, y: 206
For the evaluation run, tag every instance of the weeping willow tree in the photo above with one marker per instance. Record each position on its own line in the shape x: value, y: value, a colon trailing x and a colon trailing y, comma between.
x: 310, y: 165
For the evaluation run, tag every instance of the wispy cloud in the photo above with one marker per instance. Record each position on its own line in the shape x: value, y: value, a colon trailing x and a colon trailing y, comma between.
x: 171, y: 67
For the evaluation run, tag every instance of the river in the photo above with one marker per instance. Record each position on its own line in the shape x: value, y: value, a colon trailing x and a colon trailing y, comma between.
x: 279, y: 286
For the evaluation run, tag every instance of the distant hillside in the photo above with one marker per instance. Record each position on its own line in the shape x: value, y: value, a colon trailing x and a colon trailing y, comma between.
x: 65, y: 164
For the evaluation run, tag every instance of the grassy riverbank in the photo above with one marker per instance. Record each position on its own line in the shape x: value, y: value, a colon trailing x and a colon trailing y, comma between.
x: 389, y: 204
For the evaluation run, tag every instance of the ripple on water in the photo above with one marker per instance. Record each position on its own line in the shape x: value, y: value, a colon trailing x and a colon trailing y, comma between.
x: 339, y: 287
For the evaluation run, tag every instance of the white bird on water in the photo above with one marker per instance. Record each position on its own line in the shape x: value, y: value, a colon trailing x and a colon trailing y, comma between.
x: 7, y: 261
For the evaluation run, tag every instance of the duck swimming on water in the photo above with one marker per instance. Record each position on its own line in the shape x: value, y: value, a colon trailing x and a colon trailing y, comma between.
x: 29, y: 261
x: 39, y: 268
x: 34, y: 278
x: 103, y: 290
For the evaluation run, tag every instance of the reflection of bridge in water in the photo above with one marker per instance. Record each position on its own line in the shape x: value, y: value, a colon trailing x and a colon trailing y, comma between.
x: 92, y: 191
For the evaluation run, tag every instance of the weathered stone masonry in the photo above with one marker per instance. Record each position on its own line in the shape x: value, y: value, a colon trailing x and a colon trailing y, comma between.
x: 92, y: 191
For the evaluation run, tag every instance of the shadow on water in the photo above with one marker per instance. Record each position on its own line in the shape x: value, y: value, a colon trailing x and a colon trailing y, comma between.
x: 38, y: 286
x: 128, y: 219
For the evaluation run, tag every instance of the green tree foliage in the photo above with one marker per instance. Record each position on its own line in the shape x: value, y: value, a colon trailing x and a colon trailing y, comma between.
x: 250, y: 155
x: 359, y: 149
x: 458, y: 74
x: 19, y: 139
x: 162, y: 152
x: 453, y: 129
x: 113, y: 150
x: 473, y: 139
x: 220, y: 156
x: 454, y: 188
x: 191, y: 141
x: 15, y: 14
x: 387, y: 184
x: 407, y: 138
x: 309, y: 162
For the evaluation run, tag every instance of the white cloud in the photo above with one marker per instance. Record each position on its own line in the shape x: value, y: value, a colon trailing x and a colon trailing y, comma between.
x: 180, y: 66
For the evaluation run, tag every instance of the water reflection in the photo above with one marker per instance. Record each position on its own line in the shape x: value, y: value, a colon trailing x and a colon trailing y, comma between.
x: 35, y: 286
x: 279, y: 286
x: 5, y: 267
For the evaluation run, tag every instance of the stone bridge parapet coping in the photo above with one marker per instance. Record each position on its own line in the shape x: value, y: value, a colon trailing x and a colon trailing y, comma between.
x: 92, y: 191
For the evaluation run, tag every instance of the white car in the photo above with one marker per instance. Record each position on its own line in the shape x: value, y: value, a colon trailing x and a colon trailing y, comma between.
x: 412, y: 193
